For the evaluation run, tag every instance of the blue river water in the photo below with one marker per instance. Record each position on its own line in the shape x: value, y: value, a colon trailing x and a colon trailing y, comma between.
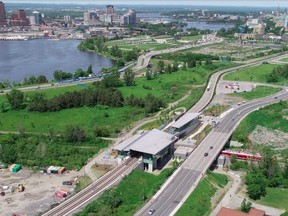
x: 20, y: 59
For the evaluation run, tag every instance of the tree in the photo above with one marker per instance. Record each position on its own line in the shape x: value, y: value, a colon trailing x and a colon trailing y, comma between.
x: 15, y: 99
x: 149, y: 74
x: 89, y: 69
x: 41, y: 79
x: 168, y: 69
x: 129, y: 77
x: 256, y: 184
x: 246, y: 206
x: 184, y: 66
x: 32, y: 80
x: 74, y: 133
x: 175, y: 67
x: 160, y: 66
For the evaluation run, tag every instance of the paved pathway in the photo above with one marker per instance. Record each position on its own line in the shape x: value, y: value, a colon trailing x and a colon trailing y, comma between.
x: 233, y: 200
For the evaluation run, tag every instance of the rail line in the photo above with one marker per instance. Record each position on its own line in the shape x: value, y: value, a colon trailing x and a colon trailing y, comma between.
x: 91, y: 191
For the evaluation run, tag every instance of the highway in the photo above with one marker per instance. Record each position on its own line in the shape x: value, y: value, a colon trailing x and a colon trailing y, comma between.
x: 183, y: 182
x: 93, y: 190
x: 144, y: 59
x: 208, y: 94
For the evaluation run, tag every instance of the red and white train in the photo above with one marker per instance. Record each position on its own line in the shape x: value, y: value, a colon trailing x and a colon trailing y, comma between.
x: 243, y: 156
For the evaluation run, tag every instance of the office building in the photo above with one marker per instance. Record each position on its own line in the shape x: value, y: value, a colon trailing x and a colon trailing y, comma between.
x: 19, y: 19
x: 109, y: 9
x: 2, y: 14
x: 130, y: 17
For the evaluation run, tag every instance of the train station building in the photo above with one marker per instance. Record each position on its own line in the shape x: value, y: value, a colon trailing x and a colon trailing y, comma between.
x: 155, y: 147
x: 184, y: 125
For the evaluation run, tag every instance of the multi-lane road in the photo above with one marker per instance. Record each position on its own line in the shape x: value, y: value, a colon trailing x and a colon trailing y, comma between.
x: 183, y: 182
x: 144, y: 59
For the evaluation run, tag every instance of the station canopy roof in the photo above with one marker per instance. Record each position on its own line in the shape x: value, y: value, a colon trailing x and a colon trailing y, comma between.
x: 187, y: 117
x: 150, y: 142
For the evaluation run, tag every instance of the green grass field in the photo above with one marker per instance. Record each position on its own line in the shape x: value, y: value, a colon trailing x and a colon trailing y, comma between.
x: 270, y: 117
x: 191, y: 38
x: 85, y: 116
x: 49, y: 92
x: 259, y: 92
x: 199, y: 202
x: 284, y: 59
x: 148, y: 46
x: 276, y: 197
x: 254, y: 74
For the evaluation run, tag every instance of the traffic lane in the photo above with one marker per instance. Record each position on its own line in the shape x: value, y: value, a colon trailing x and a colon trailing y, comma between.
x: 180, y: 191
x: 215, y: 137
x: 170, y: 188
x: 172, y: 195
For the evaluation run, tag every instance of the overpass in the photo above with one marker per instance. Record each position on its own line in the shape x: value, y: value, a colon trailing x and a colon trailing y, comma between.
x: 181, y: 184
x: 188, y: 175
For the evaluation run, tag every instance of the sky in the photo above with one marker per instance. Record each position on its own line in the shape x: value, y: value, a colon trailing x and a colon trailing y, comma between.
x: 259, y: 3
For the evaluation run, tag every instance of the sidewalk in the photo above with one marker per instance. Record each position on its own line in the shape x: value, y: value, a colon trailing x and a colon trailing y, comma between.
x: 233, y: 200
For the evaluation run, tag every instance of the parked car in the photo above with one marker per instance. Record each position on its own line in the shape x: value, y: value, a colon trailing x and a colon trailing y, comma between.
x: 2, y: 193
x: 67, y: 182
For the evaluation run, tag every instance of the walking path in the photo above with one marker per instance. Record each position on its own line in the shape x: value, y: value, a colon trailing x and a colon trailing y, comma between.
x: 233, y: 200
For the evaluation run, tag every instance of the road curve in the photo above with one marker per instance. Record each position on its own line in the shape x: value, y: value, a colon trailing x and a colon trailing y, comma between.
x: 208, y: 94
x: 143, y: 60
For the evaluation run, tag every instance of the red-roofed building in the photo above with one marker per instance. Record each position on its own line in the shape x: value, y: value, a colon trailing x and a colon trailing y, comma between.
x: 231, y: 212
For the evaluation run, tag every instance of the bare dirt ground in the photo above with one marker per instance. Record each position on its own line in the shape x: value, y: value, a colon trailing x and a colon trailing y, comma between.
x: 38, y: 194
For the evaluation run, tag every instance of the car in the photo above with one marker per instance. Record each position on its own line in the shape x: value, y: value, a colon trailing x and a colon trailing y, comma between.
x: 211, y: 147
x: 206, y: 154
x: 67, y: 182
x: 275, y: 97
x: 151, y: 211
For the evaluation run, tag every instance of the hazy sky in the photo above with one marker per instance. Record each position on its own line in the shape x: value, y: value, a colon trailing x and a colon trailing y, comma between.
x: 259, y: 3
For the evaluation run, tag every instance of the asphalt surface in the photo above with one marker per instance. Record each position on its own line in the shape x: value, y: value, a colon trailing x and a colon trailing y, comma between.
x: 181, y: 185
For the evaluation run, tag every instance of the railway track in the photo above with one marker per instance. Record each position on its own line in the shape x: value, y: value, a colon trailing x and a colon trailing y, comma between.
x: 93, y: 190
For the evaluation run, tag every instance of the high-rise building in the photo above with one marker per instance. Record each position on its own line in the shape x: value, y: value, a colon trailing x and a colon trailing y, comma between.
x: 286, y: 21
x: 109, y: 9
x: 130, y: 17
x: 2, y: 14
x: 19, y: 19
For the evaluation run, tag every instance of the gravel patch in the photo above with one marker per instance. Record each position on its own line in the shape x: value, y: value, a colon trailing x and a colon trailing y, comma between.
x: 265, y: 136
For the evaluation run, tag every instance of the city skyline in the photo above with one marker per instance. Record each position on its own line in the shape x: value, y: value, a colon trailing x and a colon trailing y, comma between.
x: 251, y: 3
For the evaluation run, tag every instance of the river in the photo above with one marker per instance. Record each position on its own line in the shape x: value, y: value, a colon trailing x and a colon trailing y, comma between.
x: 190, y: 24
x: 20, y: 59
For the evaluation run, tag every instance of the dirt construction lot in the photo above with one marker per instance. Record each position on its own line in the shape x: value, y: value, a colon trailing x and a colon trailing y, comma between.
x: 38, y: 194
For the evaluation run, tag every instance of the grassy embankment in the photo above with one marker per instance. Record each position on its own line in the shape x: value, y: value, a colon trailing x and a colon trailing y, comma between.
x: 276, y: 197
x: 284, y: 59
x: 254, y: 74
x: 259, y: 92
x: 133, y: 191
x: 199, y: 201
x: 270, y: 117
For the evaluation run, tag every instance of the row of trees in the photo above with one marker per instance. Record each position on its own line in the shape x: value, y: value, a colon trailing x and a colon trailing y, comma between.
x: 61, y: 75
x: 103, y: 92
x: 35, y: 80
